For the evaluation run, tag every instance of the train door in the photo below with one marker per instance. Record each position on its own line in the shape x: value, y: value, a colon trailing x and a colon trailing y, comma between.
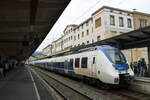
x: 66, y: 66
x: 70, y: 67
x: 93, y: 66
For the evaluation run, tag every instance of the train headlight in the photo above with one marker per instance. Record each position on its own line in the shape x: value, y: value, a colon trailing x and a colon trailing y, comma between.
x: 116, y: 80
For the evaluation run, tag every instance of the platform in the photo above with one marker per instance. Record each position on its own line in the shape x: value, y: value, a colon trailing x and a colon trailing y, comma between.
x: 141, y: 84
x: 20, y: 84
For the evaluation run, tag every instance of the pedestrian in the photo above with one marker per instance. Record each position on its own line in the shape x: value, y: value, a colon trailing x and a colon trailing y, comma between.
x: 1, y: 69
x: 135, y: 67
x: 143, y: 67
x: 6, y: 65
x: 139, y: 68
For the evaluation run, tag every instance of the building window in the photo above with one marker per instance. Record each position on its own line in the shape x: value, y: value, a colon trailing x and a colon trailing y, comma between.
x: 112, y: 20
x: 84, y: 62
x: 121, y: 23
x: 87, y: 42
x: 87, y: 32
x: 129, y: 23
x: 71, y: 29
x: 143, y: 22
x: 92, y: 40
x: 74, y: 37
x: 98, y: 38
x: 78, y: 36
x: 77, y: 62
x: 98, y: 22
x: 71, y: 62
x: 82, y: 26
x: 111, y: 10
x: 71, y: 37
x: 93, y: 60
x: 87, y: 23
x: 82, y: 34
x: 83, y: 44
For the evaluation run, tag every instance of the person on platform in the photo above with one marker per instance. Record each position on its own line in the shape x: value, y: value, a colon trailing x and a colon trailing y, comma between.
x: 136, y: 69
x: 139, y: 67
x: 2, y: 69
x: 143, y: 67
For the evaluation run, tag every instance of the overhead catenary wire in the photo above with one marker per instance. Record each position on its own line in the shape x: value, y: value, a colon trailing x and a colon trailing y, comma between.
x: 87, y: 10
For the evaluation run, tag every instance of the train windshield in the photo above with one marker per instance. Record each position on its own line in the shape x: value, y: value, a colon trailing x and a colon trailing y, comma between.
x: 115, y: 56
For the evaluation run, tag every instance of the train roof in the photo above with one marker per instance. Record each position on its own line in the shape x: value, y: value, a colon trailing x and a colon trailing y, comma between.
x: 74, y: 51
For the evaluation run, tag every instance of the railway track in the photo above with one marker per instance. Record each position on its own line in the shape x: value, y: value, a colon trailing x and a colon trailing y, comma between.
x: 65, y: 91
x: 131, y: 95
x: 88, y: 92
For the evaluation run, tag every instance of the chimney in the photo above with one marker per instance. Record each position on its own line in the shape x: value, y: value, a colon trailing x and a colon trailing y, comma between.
x: 134, y: 9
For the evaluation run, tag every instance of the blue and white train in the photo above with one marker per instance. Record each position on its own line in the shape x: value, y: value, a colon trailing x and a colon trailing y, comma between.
x: 104, y: 63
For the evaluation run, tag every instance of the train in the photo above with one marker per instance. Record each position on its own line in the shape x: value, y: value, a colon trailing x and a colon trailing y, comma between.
x: 106, y: 64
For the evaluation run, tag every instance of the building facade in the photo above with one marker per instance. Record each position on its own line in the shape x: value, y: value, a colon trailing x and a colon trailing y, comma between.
x: 68, y: 36
x: 47, y: 50
x: 83, y: 33
x: 110, y: 22
x: 140, y: 20
x: 104, y: 23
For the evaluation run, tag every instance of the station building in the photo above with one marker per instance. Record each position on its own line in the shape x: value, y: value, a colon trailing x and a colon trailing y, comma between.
x: 104, y: 23
x: 48, y: 50
x: 140, y: 20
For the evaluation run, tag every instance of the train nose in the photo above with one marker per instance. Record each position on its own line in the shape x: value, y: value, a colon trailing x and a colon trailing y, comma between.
x: 127, y: 77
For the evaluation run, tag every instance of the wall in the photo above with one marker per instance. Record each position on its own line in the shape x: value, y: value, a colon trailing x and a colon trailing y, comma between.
x: 83, y: 28
x: 140, y: 52
x: 68, y: 38
x: 113, y: 30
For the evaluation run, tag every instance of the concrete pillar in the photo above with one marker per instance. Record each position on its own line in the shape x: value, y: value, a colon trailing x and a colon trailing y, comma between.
x: 149, y: 61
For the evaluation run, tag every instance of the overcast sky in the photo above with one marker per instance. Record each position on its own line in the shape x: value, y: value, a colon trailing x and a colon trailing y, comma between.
x: 80, y: 10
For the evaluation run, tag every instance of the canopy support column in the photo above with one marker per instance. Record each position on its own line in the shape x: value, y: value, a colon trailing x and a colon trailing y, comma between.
x: 149, y: 60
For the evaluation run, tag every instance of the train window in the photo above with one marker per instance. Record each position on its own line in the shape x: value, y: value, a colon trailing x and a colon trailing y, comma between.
x: 71, y: 62
x: 52, y: 64
x: 61, y: 65
x: 93, y: 60
x: 58, y: 64
x: 84, y: 62
x: 77, y: 60
x: 55, y: 64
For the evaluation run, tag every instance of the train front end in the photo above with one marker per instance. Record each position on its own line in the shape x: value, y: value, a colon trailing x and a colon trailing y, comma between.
x: 117, y: 67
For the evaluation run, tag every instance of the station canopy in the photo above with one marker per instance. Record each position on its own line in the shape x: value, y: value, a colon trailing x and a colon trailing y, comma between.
x: 134, y: 39
x: 25, y: 23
